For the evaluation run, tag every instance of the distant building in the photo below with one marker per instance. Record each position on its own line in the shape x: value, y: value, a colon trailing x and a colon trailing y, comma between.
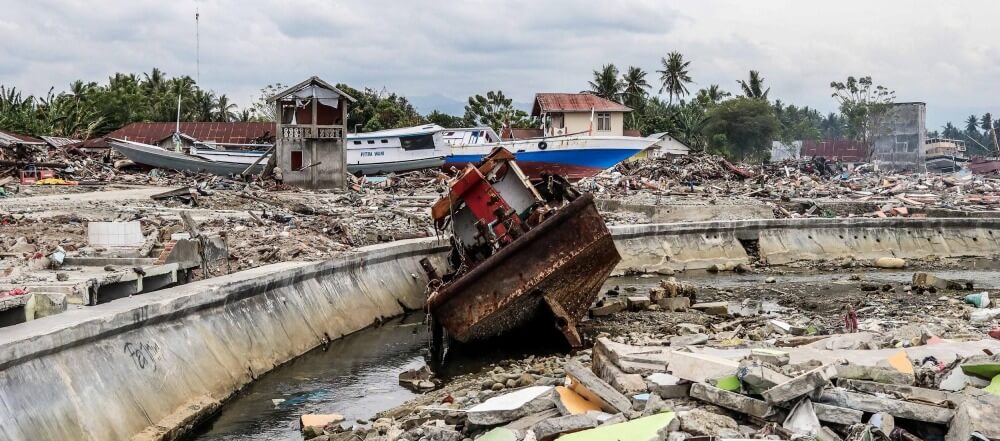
x: 309, y: 149
x: 565, y: 113
x: 781, y: 151
x: 901, y: 147
x: 665, y: 146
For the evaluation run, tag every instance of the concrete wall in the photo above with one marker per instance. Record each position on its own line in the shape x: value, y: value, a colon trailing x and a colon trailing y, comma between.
x: 699, y: 245
x: 144, y: 367
x: 690, y: 212
x: 329, y: 153
x: 901, y: 145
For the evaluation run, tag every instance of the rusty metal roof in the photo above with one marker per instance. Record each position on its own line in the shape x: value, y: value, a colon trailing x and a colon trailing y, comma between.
x: 218, y: 132
x: 574, y: 102
x: 7, y: 138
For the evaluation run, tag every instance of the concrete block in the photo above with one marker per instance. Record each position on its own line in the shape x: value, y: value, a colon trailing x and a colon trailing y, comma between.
x: 638, y: 303
x: 704, y: 423
x: 528, y: 421
x: 714, y: 308
x: 975, y: 415
x: 801, y: 385
x: 552, y: 428
x: 912, y: 393
x: 594, y: 389
x: 688, y: 340
x: 731, y: 400
x: 837, y: 415
x: 610, y: 307
x: 928, y: 281
x: 511, y: 406
x: 115, y: 234
x: 316, y: 422
x: 770, y: 356
x: 674, y: 304
x: 604, y: 362
x: 667, y: 386
x: 897, y: 408
x: 699, y: 368
x: 688, y: 329
x: 956, y: 380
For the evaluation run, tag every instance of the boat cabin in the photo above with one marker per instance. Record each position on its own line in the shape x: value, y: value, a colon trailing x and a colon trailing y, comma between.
x: 569, y: 113
x: 310, y: 150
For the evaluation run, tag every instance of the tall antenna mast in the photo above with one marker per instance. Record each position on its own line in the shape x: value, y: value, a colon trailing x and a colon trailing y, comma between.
x: 197, y: 45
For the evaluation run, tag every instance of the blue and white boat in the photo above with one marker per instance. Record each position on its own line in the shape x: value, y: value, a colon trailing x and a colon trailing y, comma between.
x: 575, y: 155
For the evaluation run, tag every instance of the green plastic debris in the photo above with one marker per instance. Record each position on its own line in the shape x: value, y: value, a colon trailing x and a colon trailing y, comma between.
x: 994, y: 387
x: 498, y: 434
x: 982, y: 369
x: 638, y: 429
x: 729, y: 383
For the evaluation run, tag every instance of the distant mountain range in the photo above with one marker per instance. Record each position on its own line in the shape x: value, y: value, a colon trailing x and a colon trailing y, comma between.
x: 428, y: 103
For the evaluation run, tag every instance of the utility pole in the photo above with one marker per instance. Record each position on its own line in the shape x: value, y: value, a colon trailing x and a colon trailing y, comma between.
x: 197, y: 46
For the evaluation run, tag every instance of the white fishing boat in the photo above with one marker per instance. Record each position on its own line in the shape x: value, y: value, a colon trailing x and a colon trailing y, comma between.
x: 396, y: 150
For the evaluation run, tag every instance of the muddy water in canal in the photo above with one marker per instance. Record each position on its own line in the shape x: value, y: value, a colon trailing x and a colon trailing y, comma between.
x: 355, y: 376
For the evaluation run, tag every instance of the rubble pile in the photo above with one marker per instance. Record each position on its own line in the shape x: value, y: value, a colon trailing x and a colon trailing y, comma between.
x: 654, y: 181
x: 684, y: 361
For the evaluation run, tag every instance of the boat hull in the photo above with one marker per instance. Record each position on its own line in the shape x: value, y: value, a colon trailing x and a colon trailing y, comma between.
x: 160, y: 158
x: 553, y: 272
x: 574, y: 157
x: 381, y: 168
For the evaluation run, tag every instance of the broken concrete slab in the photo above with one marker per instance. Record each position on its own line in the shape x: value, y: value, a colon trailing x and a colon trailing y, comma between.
x: 511, y: 406
x: 758, y: 378
x: 667, y: 386
x: 604, y: 364
x: 594, y: 389
x: 499, y: 434
x: 552, y: 428
x: 896, y: 408
x: 714, y: 308
x: 528, y: 421
x: 699, y: 368
x: 801, y: 385
x: 704, y: 423
x: 956, y: 380
x: 911, y: 393
x: 975, y: 415
x: 873, y: 373
x: 731, y: 400
x: 314, y: 422
x: 688, y: 340
x: 688, y: 329
x: 837, y: 415
x: 638, y: 429
x: 571, y: 403
x: 770, y: 356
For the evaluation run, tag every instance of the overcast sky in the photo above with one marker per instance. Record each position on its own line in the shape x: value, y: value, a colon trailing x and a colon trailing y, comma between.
x: 943, y: 53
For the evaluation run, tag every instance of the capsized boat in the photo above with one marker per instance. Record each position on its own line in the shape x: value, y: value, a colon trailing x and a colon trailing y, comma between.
x: 521, y: 253
x: 574, y: 156
x: 155, y: 156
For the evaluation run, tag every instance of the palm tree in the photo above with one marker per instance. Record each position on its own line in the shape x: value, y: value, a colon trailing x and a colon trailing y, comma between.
x: 674, y: 76
x: 972, y: 124
x: 606, y: 84
x: 986, y: 122
x: 712, y: 95
x: 689, y: 123
x: 634, y: 87
x: 225, y: 110
x: 832, y: 126
x: 755, y: 87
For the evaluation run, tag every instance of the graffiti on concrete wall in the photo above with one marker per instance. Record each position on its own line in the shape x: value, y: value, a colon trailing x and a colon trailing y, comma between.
x: 144, y: 355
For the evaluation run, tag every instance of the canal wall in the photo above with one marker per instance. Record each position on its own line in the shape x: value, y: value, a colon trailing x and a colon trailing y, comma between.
x: 700, y: 245
x: 148, y: 367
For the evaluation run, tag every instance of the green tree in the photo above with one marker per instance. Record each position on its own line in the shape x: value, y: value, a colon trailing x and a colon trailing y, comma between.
x: 606, y: 84
x: 832, y: 126
x: 741, y: 128
x: 674, y: 76
x: 754, y: 87
x: 497, y: 111
x: 445, y: 120
x: 689, y: 122
x: 263, y: 110
x: 225, y: 110
x: 379, y: 110
x: 950, y: 131
x: 972, y: 125
x: 634, y: 87
x: 864, y: 106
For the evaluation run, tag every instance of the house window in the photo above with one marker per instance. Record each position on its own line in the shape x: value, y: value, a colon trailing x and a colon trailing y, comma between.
x: 296, y: 160
x: 603, y: 122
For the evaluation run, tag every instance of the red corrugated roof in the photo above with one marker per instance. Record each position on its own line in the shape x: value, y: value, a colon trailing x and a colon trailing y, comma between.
x: 221, y: 132
x: 22, y: 138
x: 508, y: 133
x: 839, y: 149
x: 574, y: 102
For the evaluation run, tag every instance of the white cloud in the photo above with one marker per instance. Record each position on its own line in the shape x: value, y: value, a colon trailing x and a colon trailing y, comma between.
x: 937, y: 52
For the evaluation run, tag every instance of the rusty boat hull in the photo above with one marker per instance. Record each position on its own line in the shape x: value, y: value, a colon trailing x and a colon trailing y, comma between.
x: 555, y: 271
